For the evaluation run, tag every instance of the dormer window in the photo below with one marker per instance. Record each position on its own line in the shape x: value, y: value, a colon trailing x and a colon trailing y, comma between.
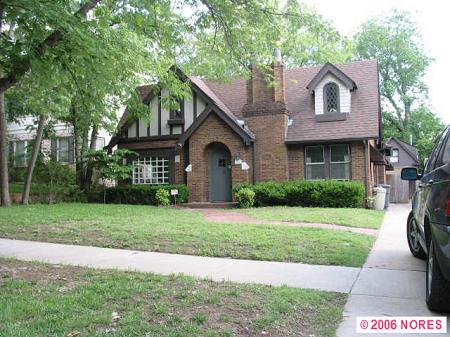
x: 331, y: 98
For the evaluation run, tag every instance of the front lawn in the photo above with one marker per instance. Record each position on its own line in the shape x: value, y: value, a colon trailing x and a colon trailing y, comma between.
x: 177, y: 231
x: 46, y: 300
x: 353, y: 217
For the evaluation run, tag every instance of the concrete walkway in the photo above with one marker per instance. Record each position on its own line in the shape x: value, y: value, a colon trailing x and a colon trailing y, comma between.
x: 329, y: 278
x: 227, y: 216
x: 392, y: 281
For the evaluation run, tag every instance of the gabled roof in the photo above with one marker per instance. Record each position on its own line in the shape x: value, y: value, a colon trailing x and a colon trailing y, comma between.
x: 336, y: 72
x: 363, y: 122
x: 213, y: 104
x: 408, y: 148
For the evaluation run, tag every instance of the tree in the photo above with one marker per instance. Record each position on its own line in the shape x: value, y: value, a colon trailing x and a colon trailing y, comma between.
x: 92, y: 51
x: 303, y: 36
x: 110, y: 166
x: 396, y: 43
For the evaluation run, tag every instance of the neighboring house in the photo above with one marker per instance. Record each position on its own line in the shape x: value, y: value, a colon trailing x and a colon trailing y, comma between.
x: 61, y: 147
x: 402, y: 154
x: 314, y: 123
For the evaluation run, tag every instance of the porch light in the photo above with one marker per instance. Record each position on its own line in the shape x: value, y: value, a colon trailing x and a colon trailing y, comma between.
x: 237, y: 159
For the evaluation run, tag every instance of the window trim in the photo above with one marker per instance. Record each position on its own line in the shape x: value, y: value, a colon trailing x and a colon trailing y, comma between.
x: 397, y: 156
x: 25, y: 148
x: 349, y: 162
x: 149, y: 158
x: 325, y: 98
x: 326, y: 148
x: 57, y: 150
x: 317, y: 163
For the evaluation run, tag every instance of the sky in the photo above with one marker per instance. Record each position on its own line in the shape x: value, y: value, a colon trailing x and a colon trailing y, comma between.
x: 432, y: 19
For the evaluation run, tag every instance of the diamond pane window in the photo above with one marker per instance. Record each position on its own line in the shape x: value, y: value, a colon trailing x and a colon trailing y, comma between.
x: 331, y: 98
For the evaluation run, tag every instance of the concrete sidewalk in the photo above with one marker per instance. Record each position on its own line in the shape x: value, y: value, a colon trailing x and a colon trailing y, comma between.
x: 392, y: 281
x: 329, y: 278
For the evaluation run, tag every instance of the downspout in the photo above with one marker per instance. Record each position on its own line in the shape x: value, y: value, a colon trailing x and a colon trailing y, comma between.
x: 366, y: 172
x: 254, y: 164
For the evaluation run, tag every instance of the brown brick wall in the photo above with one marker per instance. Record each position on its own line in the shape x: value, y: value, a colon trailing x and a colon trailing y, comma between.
x: 361, y: 160
x: 296, y: 156
x: 214, y: 130
x: 271, y: 150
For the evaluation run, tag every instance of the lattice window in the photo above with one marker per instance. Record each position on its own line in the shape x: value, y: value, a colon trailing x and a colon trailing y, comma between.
x: 151, y: 170
x: 178, y: 112
x: 331, y: 96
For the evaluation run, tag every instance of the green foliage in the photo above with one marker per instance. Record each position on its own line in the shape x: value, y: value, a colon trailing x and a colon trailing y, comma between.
x: 137, y: 194
x: 246, y: 197
x: 110, y: 166
x: 397, y: 45
x: 326, y: 193
x: 162, y: 197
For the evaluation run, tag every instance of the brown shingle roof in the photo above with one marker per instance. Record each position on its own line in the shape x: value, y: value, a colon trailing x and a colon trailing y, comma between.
x: 362, y: 123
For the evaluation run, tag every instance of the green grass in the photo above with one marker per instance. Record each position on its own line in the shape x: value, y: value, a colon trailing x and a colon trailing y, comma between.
x: 352, y: 217
x: 177, y: 231
x: 45, y: 300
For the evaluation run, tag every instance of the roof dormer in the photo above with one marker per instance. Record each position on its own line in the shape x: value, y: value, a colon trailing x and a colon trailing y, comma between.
x: 332, y: 93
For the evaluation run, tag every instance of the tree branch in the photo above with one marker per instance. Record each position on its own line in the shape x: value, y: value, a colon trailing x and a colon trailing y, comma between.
x: 52, y: 40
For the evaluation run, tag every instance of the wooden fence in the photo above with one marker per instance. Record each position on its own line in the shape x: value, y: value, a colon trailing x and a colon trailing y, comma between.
x: 401, y: 190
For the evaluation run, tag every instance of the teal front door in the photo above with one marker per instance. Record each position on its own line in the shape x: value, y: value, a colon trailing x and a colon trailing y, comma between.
x: 219, y: 173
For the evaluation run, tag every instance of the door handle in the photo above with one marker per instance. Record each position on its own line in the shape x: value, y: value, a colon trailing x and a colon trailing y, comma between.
x: 428, y: 183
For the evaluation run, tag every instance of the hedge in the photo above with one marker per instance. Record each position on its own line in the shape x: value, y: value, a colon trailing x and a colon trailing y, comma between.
x: 137, y: 194
x: 323, y: 193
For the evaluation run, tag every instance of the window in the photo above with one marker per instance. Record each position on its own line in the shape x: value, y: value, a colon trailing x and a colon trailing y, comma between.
x: 177, y: 113
x: 331, y: 98
x: 63, y: 149
x: 394, y: 156
x: 315, y: 163
x: 151, y: 170
x: 340, y: 162
x: 20, y: 153
x: 99, y: 143
x: 328, y: 162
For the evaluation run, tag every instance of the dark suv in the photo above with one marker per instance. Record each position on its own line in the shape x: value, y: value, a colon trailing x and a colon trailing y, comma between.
x: 428, y: 227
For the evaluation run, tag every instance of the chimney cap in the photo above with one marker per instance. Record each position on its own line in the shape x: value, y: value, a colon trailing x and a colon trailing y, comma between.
x: 277, y: 55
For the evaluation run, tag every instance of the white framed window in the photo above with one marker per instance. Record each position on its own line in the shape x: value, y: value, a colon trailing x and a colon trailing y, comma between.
x: 62, y: 150
x: 340, y: 162
x: 151, y: 170
x: 20, y: 153
x: 315, y: 162
x: 394, y: 156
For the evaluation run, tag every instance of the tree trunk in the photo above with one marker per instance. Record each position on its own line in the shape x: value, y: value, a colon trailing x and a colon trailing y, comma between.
x: 4, y: 179
x: 89, y: 168
x: 33, y: 159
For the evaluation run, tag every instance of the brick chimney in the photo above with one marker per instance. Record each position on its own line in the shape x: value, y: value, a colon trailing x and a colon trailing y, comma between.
x: 266, y: 116
x: 267, y: 87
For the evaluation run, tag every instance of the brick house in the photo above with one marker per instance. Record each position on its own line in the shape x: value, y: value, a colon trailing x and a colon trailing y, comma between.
x: 309, y: 123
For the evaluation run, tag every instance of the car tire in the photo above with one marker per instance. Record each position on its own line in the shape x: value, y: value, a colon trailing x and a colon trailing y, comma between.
x: 412, y: 235
x: 437, y: 287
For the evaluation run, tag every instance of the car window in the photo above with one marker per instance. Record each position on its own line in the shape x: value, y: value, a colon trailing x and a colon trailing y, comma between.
x: 446, y: 152
x: 434, y: 155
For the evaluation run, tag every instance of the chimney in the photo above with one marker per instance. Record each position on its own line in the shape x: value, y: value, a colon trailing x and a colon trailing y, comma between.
x: 259, y: 86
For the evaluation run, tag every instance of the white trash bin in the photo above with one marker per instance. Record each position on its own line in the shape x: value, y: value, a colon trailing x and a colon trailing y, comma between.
x: 380, y: 198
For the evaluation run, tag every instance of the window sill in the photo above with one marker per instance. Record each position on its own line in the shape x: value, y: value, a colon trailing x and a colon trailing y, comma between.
x: 175, y: 121
x: 331, y: 117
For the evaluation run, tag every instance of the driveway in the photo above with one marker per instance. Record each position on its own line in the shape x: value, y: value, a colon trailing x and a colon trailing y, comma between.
x: 392, y: 281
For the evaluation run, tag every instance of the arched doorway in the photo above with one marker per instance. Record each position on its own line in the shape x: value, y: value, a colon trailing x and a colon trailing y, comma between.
x: 219, y: 167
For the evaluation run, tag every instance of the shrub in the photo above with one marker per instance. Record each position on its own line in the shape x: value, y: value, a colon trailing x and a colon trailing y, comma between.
x: 162, y: 197
x: 137, y: 194
x: 324, y: 193
x: 246, y: 197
